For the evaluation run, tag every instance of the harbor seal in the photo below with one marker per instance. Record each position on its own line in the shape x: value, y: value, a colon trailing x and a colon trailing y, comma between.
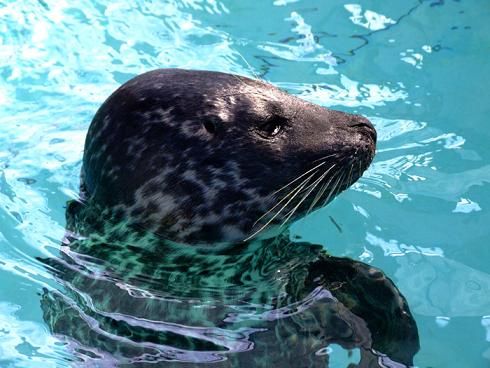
x: 207, y: 157
x: 178, y: 162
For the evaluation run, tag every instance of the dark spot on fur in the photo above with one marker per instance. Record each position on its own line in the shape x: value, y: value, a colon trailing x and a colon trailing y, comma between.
x: 137, y: 212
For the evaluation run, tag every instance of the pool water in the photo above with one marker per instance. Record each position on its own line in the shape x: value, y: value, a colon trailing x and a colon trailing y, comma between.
x: 419, y: 70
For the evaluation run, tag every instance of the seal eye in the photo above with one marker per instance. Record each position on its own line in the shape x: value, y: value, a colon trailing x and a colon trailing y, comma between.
x: 272, y: 127
x: 210, y: 127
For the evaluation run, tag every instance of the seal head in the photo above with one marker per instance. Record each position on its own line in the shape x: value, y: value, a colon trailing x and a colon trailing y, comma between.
x: 199, y: 156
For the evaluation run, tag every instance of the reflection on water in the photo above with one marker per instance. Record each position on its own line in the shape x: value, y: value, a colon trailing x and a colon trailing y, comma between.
x: 132, y: 298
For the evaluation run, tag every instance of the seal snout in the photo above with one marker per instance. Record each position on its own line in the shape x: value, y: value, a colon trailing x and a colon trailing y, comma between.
x: 364, y: 126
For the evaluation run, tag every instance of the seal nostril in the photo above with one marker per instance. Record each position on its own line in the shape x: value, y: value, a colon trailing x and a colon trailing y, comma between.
x: 365, y: 125
x: 361, y: 125
x: 357, y: 120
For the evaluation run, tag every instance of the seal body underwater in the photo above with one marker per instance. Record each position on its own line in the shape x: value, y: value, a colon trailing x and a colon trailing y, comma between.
x: 178, y: 251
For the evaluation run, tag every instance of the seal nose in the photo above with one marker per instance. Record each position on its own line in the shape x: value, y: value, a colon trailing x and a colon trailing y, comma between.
x: 365, y: 125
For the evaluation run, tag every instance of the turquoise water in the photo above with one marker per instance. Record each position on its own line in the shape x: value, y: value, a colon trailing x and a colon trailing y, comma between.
x: 418, y: 69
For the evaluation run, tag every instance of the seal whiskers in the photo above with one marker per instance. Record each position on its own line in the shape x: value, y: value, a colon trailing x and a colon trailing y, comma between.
x: 334, y: 188
x: 312, y: 187
x: 296, y: 191
x: 320, y: 192
x: 299, y: 177
x: 301, y: 187
x: 298, y: 187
